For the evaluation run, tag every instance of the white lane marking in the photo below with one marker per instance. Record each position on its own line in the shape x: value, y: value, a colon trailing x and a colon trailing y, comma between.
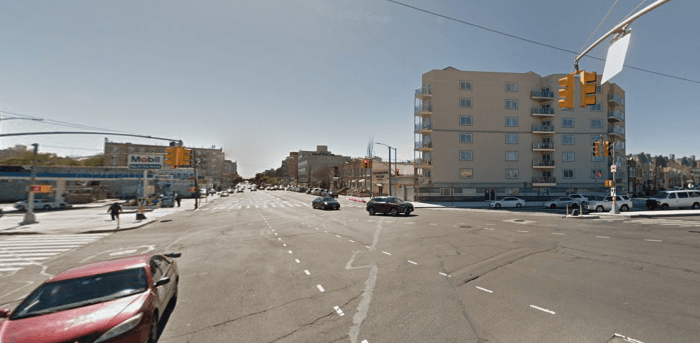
x: 239, y: 207
x: 124, y: 252
x: 320, y: 288
x: 6, y: 254
x: 602, y: 237
x: 492, y: 229
x: 337, y: 309
x: 24, y: 259
x: 279, y: 239
x: 522, y: 231
x: 307, y: 272
x: 628, y: 339
x: 16, y: 264
x: 557, y: 233
x: 351, y: 240
x: 290, y: 251
x: 384, y: 252
x: 409, y: 261
x: 542, y: 309
x: 337, y: 236
x: 484, y: 289
x: 284, y: 245
x: 433, y: 224
x: 273, y: 230
x: 366, y: 247
x: 9, y: 269
x: 275, y: 233
x: 653, y: 240
x: 297, y: 260
x: 256, y: 206
x: 38, y: 251
x: 248, y: 206
x: 316, y: 228
x: 325, y: 231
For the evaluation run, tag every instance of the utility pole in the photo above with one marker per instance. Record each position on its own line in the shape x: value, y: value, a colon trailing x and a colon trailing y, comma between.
x: 29, y: 216
x: 395, y: 155
x: 196, y: 187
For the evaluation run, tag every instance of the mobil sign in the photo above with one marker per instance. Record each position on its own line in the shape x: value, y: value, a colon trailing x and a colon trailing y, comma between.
x: 145, y: 161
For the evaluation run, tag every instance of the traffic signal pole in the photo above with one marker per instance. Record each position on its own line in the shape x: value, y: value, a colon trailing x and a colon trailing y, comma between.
x: 619, y: 29
x: 29, y: 217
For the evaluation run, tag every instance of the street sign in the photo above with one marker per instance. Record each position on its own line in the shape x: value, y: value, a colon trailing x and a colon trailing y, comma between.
x: 42, y: 188
x: 612, y: 192
x: 613, y: 168
x: 616, y: 57
x: 145, y: 161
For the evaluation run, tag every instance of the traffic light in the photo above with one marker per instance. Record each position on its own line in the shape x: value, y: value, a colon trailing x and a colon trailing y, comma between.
x: 600, y: 173
x: 366, y: 164
x: 609, y: 183
x: 186, y: 157
x: 171, y: 156
x: 596, y: 148
x: 397, y: 171
x: 566, y: 92
x: 606, y: 148
x: 588, y: 87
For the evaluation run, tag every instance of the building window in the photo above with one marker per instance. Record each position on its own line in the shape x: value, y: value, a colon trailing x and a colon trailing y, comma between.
x: 511, y: 87
x: 568, y: 173
x: 511, y: 138
x: 595, y: 158
x: 464, y: 102
x: 465, y: 173
x: 567, y: 156
x: 511, y: 121
x: 465, y: 137
x: 598, y: 89
x: 511, y: 155
x: 511, y: 104
x: 567, y: 139
x: 465, y: 120
x: 596, y: 123
x: 465, y: 155
x: 595, y: 138
x: 446, y: 191
x: 465, y: 85
x: 512, y: 173
x: 567, y: 122
x: 596, y: 107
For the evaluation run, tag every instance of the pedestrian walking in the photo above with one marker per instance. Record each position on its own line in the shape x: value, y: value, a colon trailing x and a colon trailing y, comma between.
x: 178, y: 198
x: 114, y: 211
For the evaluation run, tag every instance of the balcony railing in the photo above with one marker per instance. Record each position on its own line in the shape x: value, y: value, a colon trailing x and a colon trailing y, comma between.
x: 545, y: 128
x: 426, y: 90
x: 423, y: 162
x: 424, y: 126
x: 616, y: 98
x: 420, y: 145
x: 424, y: 108
x: 543, y: 111
x: 536, y: 179
x: 542, y: 163
x: 616, y: 131
x: 542, y: 94
x: 616, y: 115
x: 543, y: 146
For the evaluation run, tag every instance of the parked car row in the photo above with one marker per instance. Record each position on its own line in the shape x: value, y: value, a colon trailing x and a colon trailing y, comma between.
x: 41, y: 204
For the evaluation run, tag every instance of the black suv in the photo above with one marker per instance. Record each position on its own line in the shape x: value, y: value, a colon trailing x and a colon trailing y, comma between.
x: 391, y: 205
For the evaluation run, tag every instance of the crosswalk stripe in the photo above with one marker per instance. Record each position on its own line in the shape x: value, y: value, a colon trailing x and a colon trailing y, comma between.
x: 38, y: 244
x: 24, y: 259
x: 18, y: 252
x: 28, y: 254
x: 9, y: 269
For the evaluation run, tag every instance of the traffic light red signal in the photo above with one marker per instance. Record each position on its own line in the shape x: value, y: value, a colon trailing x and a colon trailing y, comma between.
x: 366, y: 164
x: 397, y: 171
x: 588, y: 87
x: 566, y: 92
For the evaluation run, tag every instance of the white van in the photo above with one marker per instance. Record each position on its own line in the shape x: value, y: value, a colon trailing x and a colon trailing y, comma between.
x: 675, y: 199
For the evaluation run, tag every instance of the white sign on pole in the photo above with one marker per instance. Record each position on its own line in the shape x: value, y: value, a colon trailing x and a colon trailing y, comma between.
x: 612, y: 192
x: 616, y: 57
x: 613, y: 168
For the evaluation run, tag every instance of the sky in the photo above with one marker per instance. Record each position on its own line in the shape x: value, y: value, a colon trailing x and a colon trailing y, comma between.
x: 262, y: 78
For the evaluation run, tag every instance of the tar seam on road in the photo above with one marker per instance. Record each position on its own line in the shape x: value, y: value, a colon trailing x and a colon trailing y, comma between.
x: 542, y: 309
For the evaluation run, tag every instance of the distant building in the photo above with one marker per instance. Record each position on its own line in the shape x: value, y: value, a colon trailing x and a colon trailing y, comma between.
x: 314, y: 167
x: 482, y: 135
x: 13, y: 151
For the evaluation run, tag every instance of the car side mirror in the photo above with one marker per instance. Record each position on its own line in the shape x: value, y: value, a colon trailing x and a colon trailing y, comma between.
x: 162, y: 281
x: 5, y: 313
x: 173, y: 254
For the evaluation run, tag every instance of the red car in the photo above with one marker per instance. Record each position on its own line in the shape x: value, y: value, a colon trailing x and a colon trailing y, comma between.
x: 112, y: 301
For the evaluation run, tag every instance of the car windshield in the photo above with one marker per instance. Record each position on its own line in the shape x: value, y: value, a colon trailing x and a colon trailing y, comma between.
x: 72, y: 293
x: 393, y: 199
x: 661, y: 195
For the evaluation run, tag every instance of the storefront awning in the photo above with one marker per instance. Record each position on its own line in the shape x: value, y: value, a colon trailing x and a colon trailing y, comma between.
x: 380, y: 185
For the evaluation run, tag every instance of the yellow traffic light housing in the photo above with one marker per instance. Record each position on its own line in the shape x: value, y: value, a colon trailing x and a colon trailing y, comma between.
x: 171, y: 156
x: 606, y: 148
x: 588, y: 88
x: 609, y: 183
x: 566, y: 92
x: 596, y: 148
x: 186, y: 157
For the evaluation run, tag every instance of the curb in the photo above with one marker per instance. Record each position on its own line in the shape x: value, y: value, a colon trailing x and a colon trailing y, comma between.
x: 120, y: 229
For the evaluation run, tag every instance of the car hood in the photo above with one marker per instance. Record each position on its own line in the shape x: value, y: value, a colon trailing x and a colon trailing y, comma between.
x: 71, y: 324
x: 405, y: 203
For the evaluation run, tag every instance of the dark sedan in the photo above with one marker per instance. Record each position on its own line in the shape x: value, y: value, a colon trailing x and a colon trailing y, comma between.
x: 120, y: 300
x: 325, y: 203
x: 391, y: 205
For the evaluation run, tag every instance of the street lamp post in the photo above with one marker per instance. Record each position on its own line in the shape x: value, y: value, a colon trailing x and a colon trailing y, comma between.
x: 395, y: 157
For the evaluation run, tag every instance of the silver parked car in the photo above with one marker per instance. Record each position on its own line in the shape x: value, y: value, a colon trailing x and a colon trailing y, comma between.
x: 508, y: 202
x: 624, y: 203
x: 559, y: 202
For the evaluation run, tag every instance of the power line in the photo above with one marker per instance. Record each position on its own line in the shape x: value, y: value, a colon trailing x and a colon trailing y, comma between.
x: 601, y: 23
x: 61, y: 123
x: 532, y: 41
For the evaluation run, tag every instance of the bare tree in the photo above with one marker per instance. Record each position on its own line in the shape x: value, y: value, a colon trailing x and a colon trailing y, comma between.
x: 370, y: 148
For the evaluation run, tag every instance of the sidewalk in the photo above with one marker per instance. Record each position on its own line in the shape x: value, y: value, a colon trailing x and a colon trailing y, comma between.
x: 86, y: 219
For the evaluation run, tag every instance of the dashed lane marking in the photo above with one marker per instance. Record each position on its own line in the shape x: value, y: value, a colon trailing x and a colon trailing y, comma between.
x: 558, y: 233
x: 542, y: 309
x: 628, y: 339
x: 307, y: 272
x: 409, y: 261
x: 320, y: 288
x: 602, y: 237
x: 337, y: 236
x: 522, y: 231
x: 484, y: 289
x: 337, y: 309
x: 351, y: 240
x: 297, y: 260
x: 653, y: 240
x: 290, y: 251
x: 284, y: 245
x: 384, y: 252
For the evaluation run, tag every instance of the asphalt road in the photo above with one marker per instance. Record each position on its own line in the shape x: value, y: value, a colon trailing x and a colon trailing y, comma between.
x: 265, y: 267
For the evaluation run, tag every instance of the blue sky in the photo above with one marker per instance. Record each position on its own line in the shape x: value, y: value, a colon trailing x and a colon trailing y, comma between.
x: 263, y: 78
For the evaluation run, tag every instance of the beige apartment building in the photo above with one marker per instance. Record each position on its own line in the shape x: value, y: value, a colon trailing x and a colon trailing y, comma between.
x: 484, y: 135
